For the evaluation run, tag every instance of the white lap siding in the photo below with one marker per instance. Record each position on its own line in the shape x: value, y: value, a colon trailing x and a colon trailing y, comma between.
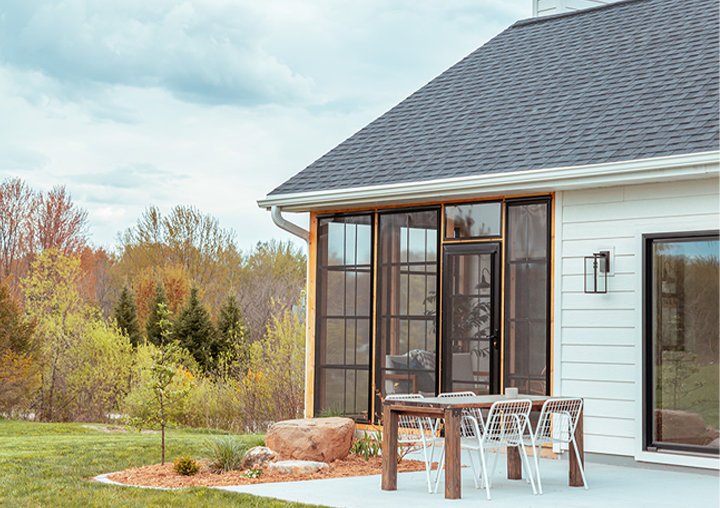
x: 598, y: 337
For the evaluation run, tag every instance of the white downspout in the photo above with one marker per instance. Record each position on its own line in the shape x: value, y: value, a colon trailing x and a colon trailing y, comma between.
x: 288, y: 226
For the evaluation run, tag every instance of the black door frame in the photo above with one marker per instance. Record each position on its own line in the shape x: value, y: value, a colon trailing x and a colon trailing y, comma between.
x: 495, y: 250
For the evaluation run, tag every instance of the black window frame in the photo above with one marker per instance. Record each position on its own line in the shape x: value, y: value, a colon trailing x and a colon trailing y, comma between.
x: 379, y: 367
x: 548, y: 201
x: 648, y: 371
x: 319, y: 316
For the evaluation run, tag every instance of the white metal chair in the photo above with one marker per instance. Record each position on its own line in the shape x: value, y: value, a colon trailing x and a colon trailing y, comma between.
x: 467, y: 431
x: 558, y: 420
x: 416, y: 431
x: 505, y: 426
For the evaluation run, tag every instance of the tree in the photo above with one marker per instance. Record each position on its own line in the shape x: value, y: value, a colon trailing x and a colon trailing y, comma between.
x: 152, y: 328
x: 126, y: 317
x: 271, y: 280
x: 58, y: 223
x: 18, y: 354
x: 195, y: 332
x: 176, y: 282
x: 187, y: 239
x: 84, y: 363
x: 231, y: 334
x: 16, y: 205
x: 164, y: 369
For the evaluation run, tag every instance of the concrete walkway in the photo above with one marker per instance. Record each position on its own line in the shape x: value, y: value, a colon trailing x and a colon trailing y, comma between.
x: 610, y: 486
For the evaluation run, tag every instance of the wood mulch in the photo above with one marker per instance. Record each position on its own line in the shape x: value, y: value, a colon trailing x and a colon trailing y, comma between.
x: 157, y: 475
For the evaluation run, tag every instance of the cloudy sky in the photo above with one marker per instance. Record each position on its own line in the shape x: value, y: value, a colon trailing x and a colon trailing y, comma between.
x: 211, y: 103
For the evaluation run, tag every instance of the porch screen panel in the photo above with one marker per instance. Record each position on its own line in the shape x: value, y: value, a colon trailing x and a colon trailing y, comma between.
x: 407, y: 302
x: 526, y: 335
x: 683, y: 343
x: 343, y: 315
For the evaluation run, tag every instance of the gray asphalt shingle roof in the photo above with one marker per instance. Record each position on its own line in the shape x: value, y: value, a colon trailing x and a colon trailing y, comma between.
x: 631, y: 80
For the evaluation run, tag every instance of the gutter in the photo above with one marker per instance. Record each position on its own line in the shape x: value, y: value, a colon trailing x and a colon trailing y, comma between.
x: 657, y: 169
x: 283, y: 223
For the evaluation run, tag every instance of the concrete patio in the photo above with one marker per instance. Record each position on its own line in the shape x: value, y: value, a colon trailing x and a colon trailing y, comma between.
x: 613, y: 482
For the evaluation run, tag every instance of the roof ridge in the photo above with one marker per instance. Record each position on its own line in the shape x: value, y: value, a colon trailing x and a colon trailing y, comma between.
x: 542, y: 19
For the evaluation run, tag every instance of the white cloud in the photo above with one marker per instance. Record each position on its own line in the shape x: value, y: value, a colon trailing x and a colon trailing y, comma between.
x: 211, y: 103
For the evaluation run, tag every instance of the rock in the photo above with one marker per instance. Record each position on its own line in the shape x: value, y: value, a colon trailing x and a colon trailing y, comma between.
x: 259, y: 455
x: 684, y: 427
x: 318, y: 439
x: 297, y: 467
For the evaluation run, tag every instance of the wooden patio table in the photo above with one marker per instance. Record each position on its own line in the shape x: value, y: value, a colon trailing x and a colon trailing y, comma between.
x: 450, y: 409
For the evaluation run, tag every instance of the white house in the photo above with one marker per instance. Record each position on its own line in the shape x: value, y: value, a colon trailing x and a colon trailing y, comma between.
x: 544, y: 214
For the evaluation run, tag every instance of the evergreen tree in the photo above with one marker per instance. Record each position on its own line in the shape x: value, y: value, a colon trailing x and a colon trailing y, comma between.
x: 195, y: 332
x: 152, y: 328
x: 126, y: 317
x: 232, y: 336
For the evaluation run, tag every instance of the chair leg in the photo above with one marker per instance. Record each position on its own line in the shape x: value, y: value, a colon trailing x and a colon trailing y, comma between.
x: 428, y: 466
x: 536, y: 456
x: 474, y: 470
x: 494, y: 466
x: 485, y: 471
x: 526, y: 462
x: 580, y: 465
x: 441, y: 466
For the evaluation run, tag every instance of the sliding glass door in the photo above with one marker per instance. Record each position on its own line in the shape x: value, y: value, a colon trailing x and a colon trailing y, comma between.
x: 682, y: 376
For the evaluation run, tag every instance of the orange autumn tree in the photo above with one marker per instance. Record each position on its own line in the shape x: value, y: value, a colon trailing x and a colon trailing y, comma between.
x: 175, y: 280
x: 18, y: 356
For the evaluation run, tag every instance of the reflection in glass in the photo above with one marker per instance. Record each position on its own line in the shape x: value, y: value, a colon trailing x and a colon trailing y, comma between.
x: 343, y: 306
x: 684, y: 308
x: 407, y: 288
x: 526, y: 298
x: 469, y: 321
x: 474, y: 220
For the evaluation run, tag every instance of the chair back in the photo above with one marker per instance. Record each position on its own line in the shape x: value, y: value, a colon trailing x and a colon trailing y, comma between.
x: 507, y: 421
x: 410, y: 428
x: 466, y: 428
x: 558, y: 419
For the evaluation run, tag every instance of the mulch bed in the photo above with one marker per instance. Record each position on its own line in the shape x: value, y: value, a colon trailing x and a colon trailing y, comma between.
x: 163, y: 476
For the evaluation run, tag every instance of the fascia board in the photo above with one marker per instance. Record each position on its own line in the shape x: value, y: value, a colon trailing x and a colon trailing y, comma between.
x: 676, y: 167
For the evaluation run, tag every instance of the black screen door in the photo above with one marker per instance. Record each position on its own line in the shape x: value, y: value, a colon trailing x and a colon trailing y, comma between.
x: 471, y: 318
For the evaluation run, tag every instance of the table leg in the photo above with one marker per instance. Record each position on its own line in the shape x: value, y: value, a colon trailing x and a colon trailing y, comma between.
x: 453, y: 482
x: 514, y: 464
x: 575, y: 479
x: 389, y: 449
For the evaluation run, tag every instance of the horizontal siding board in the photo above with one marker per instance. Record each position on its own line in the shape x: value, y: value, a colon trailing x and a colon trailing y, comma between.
x: 616, y: 427
x: 624, y: 245
x: 609, y: 444
x: 667, y: 207
x: 628, y: 336
x: 579, y: 301
x: 603, y: 354
x: 599, y: 317
x: 598, y: 371
x: 587, y: 196
x: 599, y: 390
x: 605, y: 407
x: 661, y: 190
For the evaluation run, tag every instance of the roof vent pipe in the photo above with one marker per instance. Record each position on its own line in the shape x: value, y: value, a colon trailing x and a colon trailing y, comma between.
x: 288, y: 226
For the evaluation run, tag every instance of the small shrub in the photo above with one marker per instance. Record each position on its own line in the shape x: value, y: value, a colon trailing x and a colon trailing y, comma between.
x: 186, y: 466
x: 253, y: 472
x: 329, y: 412
x: 367, y: 446
x: 225, y: 454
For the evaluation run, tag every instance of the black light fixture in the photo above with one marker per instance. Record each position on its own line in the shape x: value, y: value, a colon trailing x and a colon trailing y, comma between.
x: 484, y: 284
x: 597, y: 268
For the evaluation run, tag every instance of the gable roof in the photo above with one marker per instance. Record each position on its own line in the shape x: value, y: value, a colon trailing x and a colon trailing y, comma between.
x: 635, y: 79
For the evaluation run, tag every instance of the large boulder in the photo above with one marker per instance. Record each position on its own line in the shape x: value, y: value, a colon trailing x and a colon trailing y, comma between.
x: 317, y: 439
x: 258, y: 455
x: 683, y: 427
x: 297, y: 467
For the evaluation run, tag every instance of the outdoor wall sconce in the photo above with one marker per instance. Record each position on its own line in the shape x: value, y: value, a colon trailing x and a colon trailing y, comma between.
x: 597, y: 268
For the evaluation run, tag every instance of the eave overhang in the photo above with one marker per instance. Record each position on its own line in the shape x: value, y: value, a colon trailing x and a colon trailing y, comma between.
x: 658, y: 169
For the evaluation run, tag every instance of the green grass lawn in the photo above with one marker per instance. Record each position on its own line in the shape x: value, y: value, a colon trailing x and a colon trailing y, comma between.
x: 50, y: 464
